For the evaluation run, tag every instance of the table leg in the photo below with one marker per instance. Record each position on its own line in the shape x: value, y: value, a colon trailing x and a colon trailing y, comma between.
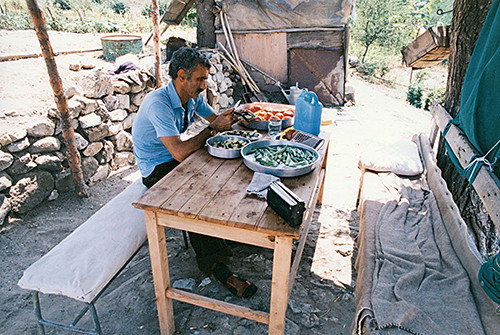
x: 159, y: 264
x: 279, y: 286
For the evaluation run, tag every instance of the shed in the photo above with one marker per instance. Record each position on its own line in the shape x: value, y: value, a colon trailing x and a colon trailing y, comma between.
x: 304, y: 41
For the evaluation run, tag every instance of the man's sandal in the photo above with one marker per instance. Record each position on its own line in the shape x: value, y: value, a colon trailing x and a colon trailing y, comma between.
x: 240, y: 287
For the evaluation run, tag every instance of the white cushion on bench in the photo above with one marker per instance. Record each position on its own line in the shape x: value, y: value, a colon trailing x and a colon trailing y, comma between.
x: 397, y: 156
x: 84, y: 262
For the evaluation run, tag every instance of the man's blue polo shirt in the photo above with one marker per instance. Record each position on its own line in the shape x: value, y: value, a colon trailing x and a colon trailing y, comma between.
x: 161, y: 114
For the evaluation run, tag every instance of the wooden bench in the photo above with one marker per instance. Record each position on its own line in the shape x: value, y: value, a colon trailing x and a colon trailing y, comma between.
x: 374, y: 193
x: 85, y: 262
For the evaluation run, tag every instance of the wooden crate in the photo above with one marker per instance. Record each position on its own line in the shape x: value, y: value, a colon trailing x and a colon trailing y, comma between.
x: 430, y: 48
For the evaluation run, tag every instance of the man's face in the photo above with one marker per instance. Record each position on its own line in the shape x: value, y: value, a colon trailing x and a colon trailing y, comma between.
x: 196, y: 83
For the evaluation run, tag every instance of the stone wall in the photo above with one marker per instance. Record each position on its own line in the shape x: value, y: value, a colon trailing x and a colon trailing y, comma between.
x: 33, y: 166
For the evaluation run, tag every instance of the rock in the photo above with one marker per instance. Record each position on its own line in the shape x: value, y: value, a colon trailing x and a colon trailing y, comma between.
x: 87, y: 105
x: 40, y: 127
x: 74, y: 108
x: 95, y: 134
x: 120, y: 86
x: 96, y: 84
x: 5, y: 181
x: 6, y: 160
x: 64, y: 181
x: 30, y: 191
x: 89, y: 121
x: 4, y: 208
x: 71, y: 91
x: 89, y: 167
x: 231, y: 101
x: 118, y: 115
x: 46, y: 144
x: 223, y: 100
x: 129, y: 120
x: 137, y: 88
x: 53, y: 112
x: 353, y: 61
x: 13, y: 134
x: 110, y: 101
x: 80, y: 141
x: 87, y: 66
x: 133, y: 108
x: 228, y: 82
x: 101, y: 173
x: 241, y: 330
x: 137, y: 98
x: 309, y: 320
x: 218, y: 66
x: 218, y: 77
x: 92, y: 149
x: 75, y: 66
x: 22, y: 164
x: 123, y: 141
x: 185, y: 284
x: 291, y: 328
x: 211, y: 83
x: 350, y: 94
x: 223, y: 86
x: 53, y: 195
x: 49, y: 163
x: 299, y: 307
x: 212, y: 70
x: 122, y: 158
x: 17, y: 146
x: 114, y: 128
x: 229, y: 92
x: 123, y: 101
x: 106, y: 154
x: 215, y: 57
x: 205, y: 282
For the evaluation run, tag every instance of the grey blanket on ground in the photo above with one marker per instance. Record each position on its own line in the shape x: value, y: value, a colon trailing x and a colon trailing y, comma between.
x: 418, y: 285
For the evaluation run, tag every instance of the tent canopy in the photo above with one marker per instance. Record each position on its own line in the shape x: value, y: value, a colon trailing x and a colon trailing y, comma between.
x: 254, y: 15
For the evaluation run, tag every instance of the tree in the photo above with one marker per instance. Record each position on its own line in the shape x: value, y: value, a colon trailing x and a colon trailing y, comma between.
x: 206, y: 11
x: 468, y: 19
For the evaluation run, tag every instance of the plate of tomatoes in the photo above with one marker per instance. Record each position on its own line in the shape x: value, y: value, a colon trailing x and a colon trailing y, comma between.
x: 265, y: 111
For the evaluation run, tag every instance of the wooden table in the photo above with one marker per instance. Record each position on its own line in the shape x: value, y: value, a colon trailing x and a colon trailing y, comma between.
x: 207, y: 195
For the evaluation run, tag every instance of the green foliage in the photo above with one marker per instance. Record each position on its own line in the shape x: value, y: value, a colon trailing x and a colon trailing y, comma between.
x: 190, y: 20
x: 118, y: 6
x: 62, y: 4
x: 162, y: 6
x: 15, y: 21
x: 415, y: 91
x: 435, y: 94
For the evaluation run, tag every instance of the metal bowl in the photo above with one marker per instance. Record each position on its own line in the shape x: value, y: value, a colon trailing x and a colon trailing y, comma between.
x: 257, y: 137
x: 253, y: 165
x: 221, y: 152
x: 263, y: 125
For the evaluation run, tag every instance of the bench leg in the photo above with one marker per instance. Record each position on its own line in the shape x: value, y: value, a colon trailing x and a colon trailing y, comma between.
x: 38, y: 313
x: 97, y: 325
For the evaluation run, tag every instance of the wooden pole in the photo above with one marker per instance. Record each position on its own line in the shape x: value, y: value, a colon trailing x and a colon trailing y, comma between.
x: 60, y: 99
x: 155, y: 13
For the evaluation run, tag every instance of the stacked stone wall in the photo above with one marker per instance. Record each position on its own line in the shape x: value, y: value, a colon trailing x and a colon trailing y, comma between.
x: 33, y: 166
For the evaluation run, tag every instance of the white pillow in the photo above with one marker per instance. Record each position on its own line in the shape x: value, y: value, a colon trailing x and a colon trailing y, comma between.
x: 398, y: 156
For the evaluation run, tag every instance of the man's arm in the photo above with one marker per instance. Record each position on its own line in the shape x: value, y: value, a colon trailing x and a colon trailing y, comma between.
x: 180, y: 150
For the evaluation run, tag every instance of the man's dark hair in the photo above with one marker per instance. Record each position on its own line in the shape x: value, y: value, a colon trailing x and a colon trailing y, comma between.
x: 186, y: 59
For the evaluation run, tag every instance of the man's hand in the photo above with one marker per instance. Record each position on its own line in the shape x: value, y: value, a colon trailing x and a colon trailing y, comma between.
x: 224, y: 121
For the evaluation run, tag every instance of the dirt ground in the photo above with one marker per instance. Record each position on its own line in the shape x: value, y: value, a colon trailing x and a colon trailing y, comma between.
x: 322, y: 300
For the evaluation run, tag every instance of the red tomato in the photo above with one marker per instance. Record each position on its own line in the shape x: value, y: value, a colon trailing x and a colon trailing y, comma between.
x: 279, y: 115
x: 287, y: 117
x: 255, y: 108
x: 288, y: 112
x: 274, y: 118
x: 259, y: 118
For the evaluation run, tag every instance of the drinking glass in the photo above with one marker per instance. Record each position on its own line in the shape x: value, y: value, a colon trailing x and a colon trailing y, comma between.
x: 274, y: 128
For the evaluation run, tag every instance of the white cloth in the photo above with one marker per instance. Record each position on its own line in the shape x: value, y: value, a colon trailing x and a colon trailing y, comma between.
x: 397, y: 156
x: 84, y: 262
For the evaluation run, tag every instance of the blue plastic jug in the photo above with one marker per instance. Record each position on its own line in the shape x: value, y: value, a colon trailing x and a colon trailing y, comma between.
x: 308, y: 113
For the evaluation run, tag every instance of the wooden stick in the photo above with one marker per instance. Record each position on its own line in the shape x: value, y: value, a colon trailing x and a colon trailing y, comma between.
x: 61, y: 102
x: 232, y: 62
x: 156, y: 39
x: 237, y: 57
x: 216, y: 305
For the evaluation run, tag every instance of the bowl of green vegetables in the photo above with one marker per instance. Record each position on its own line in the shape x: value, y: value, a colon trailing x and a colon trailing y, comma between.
x: 226, y: 146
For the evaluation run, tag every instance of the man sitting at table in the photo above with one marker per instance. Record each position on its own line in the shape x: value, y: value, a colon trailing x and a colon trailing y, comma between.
x: 163, y: 116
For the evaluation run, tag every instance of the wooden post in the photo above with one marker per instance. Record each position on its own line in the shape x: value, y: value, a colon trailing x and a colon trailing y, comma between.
x: 60, y: 98
x: 156, y: 39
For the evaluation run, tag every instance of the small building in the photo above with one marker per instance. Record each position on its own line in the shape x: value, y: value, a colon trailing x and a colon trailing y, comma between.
x: 295, y: 41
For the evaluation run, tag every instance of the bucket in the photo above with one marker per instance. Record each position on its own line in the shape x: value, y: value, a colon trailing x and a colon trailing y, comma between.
x: 308, y: 113
x: 114, y: 46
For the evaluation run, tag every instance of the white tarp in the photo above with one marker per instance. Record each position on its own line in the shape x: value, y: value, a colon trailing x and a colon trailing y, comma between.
x: 282, y: 14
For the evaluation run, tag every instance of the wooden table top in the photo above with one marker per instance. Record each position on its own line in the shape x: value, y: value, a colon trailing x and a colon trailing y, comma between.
x: 211, y: 189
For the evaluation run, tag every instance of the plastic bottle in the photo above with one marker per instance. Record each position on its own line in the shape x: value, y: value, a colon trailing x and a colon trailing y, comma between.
x: 308, y: 113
